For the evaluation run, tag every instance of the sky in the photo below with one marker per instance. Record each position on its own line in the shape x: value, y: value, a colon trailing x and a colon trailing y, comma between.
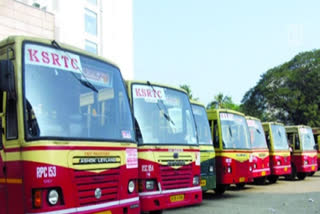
x: 219, y: 46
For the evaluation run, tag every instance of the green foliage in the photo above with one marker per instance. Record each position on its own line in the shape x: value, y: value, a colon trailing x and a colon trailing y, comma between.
x: 221, y: 101
x: 188, y: 90
x: 289, y: 93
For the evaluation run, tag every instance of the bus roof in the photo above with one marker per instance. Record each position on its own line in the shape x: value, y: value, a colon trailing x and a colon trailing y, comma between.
x: 194, y: 102
x: 20, y: 39
x: 212, y: 112
x: 252, y: 118
x: 145, y: 82
x: 295, y: 128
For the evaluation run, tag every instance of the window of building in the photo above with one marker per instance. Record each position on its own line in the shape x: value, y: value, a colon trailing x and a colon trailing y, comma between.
x: 91, y: 47
x: 94, y: 2
x: 91, y: 22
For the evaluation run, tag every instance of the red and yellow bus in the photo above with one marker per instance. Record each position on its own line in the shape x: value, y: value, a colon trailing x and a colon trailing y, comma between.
x: 316, y: 135
x: 231, y: 140
x: 260, y: 152
x: 208, y: 165
x: 279, y: 152
x: 304, y: 154
x: 168, y: 151
x: 68, y: 142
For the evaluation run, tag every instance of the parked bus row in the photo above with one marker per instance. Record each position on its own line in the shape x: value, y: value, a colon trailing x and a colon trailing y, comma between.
x: 77, y: 138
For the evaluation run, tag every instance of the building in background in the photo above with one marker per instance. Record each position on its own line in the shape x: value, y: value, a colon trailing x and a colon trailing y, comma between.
x: 98, y: 26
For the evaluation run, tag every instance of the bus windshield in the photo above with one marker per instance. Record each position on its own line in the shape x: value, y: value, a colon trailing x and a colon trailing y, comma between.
x: 235, y: 133
x: 258, y: 139
x: 68, y: 95
x: 279, y: 137
x: 203, y: 128
x: 306, y: 137
x: 163, y: 115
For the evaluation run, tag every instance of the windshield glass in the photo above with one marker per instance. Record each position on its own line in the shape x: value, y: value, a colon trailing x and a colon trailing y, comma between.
x: 163, y: 115
x: 279, y: 137
x: 74, y: 96
x: 306, y: 138
x: 258, y: 139
x: 203, y: 128
x: 235, y: 133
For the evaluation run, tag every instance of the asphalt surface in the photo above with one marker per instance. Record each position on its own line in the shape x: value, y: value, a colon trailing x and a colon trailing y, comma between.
x: 282, y: 197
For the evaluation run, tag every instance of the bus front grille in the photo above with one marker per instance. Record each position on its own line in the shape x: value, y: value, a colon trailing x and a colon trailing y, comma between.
x: 96, y: 187
x: 172, y: 178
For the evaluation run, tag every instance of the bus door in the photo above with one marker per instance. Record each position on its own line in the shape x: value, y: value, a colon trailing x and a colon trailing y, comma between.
x: 3, y: 185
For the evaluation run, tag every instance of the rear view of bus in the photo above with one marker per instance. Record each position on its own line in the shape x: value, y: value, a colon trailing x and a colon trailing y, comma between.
x: 278, y: 150
x: 208, y: 165
x: 69, y: 143
x: 231, y: 140
x: 168, y: 151
x: 260, y: 152
x: 304, y: 153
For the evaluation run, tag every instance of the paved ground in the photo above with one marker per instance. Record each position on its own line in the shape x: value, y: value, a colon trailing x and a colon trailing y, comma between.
x: 283, y: 197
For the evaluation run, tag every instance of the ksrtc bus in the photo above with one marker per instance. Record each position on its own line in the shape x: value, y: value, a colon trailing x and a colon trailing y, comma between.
x: 260, y: 155
x: 208, y: 165
x: 68, y: 142
x: 231, y: 140
x: 316, y: 135
x: 304, y: 153
x: 168, y: 151
x: 279, y: 152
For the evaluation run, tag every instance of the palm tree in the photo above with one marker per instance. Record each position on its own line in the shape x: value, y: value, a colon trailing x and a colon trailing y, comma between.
x: 220, y: 101
x: 188, y: 90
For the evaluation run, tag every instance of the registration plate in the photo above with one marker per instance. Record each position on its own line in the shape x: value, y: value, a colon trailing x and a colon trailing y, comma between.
x: 263, y: 173
x: 313, y: 167
x: 203, y: 182
x: 176, y: 198
x: 242, y: 179
x: 285, y: 169
x: 104, y: 212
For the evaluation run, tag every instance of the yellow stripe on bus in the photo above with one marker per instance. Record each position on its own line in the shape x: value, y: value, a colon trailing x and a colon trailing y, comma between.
x: 10, y: 180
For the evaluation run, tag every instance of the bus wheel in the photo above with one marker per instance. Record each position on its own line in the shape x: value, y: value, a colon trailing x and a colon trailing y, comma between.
x: 220, y: 189
x: 301, y: 176
x: 273, y: 179
x: 260, y: 181
x: 240, y: 185
x: 311, y: 173
x: 156, y: 212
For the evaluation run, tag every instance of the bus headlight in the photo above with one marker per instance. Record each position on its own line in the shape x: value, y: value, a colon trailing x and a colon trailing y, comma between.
x: 53, y: 197
x: 211, y: 169
x: 278, y: 163
x: 149, y: 185
x: 305, y: 162
x: 196, y: 180
x: 131, y: 186
x: 254, y: 166
x: 229, y: 169
x: 250, y: 168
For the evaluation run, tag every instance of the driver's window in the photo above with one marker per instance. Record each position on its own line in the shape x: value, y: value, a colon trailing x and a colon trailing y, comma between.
x: 11, y: 118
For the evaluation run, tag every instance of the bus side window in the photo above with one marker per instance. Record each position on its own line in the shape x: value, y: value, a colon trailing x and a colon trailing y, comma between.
x: 296, y: 142
x: 290, y: 140
x: 268, y: 139
x: 11, y: 119
x: 215, y: 134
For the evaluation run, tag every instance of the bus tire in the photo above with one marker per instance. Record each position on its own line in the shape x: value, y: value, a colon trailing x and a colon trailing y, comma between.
x: 156, y: 212
x: 220, y: 189
x: 260, y: 181
x: 301, y: 175
x: 240, y: 185
x: 311, y: 173
x: 273, y: 179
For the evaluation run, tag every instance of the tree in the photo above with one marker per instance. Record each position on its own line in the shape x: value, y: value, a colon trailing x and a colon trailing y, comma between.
x: 188, y: 90
x: 289, y: 93
x: 221, y: 101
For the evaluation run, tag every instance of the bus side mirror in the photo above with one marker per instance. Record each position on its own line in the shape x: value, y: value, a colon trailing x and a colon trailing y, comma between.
x: 316, y: 147
x: 7, y: 82
x: 1, y: 133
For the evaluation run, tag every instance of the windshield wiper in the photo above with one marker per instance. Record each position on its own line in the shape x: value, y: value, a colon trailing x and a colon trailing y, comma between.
x: 160, y: 109
x: 85, y: 81
x: 258, y: 131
